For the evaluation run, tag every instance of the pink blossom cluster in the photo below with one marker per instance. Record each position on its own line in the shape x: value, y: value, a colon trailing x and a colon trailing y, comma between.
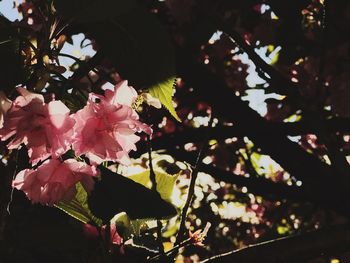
x: 104, y: 130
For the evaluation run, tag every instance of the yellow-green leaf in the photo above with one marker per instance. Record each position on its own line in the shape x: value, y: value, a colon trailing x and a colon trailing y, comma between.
x: 123, y: 224
x: 165, y: 182
x: 164, y: 92
x: 78, y: 207
x: 127, y: 227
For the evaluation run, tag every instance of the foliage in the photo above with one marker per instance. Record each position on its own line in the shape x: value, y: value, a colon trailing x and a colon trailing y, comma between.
x: 78, y: 207
x: 256, y: 124
x: 164, y: 92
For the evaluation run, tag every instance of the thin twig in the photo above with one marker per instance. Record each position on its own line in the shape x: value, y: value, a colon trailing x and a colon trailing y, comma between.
x: 291, y: 156
x: 297, y: 248
x: 281, y: 84
x: 86, y: 65
x: 190, y: 195
x: 172, y: 251
x: 341, y: 125
x: 12, y: 188
x: 80, y: 62
x: 66, y: 80
x: 71, y: 57
x: 154, y: 188
x: 104, y: 76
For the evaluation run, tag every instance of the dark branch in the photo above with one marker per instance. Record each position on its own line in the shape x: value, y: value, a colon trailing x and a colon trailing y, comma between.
x: 276, y: 80
x: 317, y: 177
x: 194, y: 174
x: 328, y: 241
x: 89, y: 65
x: 198, y: 134
x: 259, y: 185
x: 255, y: 185
x: 154, y: 188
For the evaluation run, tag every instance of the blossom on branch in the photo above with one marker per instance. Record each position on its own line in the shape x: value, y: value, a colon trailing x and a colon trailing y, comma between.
x: 198, y: 236
x: 45, y: 129
x: 105, y: 128
x: 55, y: 181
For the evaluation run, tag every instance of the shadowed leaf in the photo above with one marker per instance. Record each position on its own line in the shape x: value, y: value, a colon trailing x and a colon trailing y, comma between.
x: 115, y: 193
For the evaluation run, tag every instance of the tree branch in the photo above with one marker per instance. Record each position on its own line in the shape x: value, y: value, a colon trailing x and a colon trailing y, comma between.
x: 198, y: 134
x: 154, y: 188
x: 196, y: 169
x: 317, y: 177
x: 255, y: 185
x: 327, y: 241
x: 278, y: 82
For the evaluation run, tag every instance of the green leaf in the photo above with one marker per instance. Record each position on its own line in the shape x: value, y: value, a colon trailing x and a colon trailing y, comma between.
x: 115, y: 193
x: 255, y: 160
x: 164, y: 92
x: 165, y: 182
x: 78, y: 207
x: 128, y: 228
x: 123, y: 224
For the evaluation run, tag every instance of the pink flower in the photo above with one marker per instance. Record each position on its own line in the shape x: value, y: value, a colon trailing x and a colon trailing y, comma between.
x: 122, y: 94
x: 54, y: 180
x: 115, y: 237
x: 199, y: 236
x: 46, y: 129
x: 94, y: 234
x: 105, y: 128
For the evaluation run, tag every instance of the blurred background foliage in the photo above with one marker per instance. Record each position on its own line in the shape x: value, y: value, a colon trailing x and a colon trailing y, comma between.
x: 272, y: 75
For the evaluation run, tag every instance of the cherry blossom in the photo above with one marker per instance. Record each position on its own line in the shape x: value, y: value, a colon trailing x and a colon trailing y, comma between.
x: 54, y: 180
x: 105, y: 128
x: 46, y: 129
x: 198, y: 236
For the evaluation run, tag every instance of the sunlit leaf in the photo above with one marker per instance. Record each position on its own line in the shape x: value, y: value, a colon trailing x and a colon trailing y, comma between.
x: 123, y: 224
x: 255, y: 160
x: 165, y: 182
x: 274, y: 54
x: 78, y: 207
x: 128, y: 228
x: 283, y: 230
x: 164, y: 92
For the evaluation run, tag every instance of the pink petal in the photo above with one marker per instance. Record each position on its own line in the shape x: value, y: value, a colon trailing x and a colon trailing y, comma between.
x: 122, y: 94
x: 54, y: 181
x: 26, y: 97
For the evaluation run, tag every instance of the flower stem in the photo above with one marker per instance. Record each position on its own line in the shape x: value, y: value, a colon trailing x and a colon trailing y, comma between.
x: 154, y: 188
x: 202, y: 151
x: 172, y: 251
